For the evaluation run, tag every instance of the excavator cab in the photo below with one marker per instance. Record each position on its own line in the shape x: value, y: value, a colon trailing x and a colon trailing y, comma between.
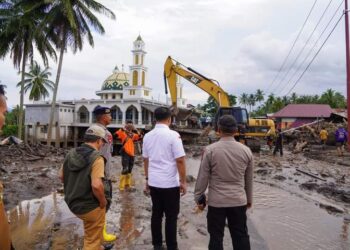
x: 240, y: 114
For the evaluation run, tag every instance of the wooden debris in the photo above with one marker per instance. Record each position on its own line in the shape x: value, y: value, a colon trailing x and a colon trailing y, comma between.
x: 309, y: 174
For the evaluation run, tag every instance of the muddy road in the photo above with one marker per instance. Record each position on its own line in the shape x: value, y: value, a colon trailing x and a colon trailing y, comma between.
x: 291, y: 210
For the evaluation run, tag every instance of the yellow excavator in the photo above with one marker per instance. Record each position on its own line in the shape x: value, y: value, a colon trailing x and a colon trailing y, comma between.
x: 249, y: 130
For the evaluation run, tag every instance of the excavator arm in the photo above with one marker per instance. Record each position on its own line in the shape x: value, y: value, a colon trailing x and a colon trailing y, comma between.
x: 171, y: 71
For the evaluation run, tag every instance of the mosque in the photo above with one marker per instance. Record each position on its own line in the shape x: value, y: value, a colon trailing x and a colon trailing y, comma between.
x: 126, y: 94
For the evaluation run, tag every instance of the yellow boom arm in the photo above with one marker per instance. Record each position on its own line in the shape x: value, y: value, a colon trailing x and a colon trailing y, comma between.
x: 171, y: 70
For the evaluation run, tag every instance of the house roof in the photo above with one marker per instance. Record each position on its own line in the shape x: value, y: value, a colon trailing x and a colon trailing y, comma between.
x: 304, y: 110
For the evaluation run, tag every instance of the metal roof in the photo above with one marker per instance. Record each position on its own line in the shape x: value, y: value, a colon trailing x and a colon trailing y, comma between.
x: 304, y: 110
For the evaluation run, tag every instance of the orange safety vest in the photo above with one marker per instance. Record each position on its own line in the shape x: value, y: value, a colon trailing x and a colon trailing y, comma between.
x: 128, y: 141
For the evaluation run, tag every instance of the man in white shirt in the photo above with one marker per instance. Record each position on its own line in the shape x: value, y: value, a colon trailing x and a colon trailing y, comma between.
x: 165, y: 170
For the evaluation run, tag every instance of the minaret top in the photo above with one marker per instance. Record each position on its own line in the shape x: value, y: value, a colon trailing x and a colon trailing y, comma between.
x: 139, y: 44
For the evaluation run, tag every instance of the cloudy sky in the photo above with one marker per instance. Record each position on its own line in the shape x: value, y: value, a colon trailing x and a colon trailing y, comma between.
x: 240, y: 43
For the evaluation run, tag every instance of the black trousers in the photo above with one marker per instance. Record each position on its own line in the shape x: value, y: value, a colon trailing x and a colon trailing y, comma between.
x: 165, y: 201
x: 237, y: 224
x: 127, y: 162
x: 278, y: 147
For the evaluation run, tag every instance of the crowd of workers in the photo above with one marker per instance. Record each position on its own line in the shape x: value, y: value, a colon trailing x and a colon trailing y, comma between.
x: 226, y: 170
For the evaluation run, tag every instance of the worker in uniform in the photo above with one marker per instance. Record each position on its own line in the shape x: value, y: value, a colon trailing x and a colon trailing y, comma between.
x: 128, y: 136
x: 278, y: 143
x: 226, y: 170
x: 103, y: 119
x: 323, y: 137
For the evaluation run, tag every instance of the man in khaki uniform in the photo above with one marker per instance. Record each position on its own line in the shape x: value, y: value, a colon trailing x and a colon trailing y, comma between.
x: 227, y: 168
x: 5, y: 238
x: 82, y: 174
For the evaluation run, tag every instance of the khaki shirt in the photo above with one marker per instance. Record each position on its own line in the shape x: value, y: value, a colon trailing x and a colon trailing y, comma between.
x: 227, y: 168
x: 107, y: 150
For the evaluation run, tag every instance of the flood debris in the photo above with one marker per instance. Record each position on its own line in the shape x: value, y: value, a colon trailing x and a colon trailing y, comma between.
x: 310, y: 174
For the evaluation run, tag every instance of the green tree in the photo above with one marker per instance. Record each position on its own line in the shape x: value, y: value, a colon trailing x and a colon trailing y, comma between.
x: 251, y: 101
x: 259, y: 95
x: 211, y: 106
x: 70, y: 21
x: 243, y: 99
x: 293, y: 97
x: 37, y: 82
x: 18, y: 36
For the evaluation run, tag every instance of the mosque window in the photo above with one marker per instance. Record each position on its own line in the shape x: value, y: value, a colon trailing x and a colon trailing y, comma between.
x: 43, y: 129
x: 146, y: 93
x: 142, y: 60
x: 143, y: 78
x: 136, y: 59
x: 113, y: 96
x: 132, y: 92
x: 134, y: 78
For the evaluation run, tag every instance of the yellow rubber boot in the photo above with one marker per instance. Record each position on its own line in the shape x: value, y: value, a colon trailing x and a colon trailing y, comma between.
x: 129, y: 181
x: 108, y: 237
x: 122, y: 182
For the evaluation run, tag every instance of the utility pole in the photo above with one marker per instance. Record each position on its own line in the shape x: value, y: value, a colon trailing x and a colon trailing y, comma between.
x: 347, y: 65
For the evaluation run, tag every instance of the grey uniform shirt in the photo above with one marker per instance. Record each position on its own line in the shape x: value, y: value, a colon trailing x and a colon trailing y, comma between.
x: 107, y: 150
x: 227, y: 168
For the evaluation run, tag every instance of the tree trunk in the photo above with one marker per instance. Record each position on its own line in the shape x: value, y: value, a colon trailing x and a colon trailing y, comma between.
x: 53, y: 104
x: 20, y: 113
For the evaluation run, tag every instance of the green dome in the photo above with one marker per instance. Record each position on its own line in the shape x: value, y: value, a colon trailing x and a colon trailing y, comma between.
x: 116, y: 81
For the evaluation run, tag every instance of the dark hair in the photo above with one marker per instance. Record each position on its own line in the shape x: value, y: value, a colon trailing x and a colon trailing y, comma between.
x: 2, y: 90
x: 129, y: 121
x: 98, y: 117
x: 227, y: 124
x: 91, y: 138
x: 162, y: 113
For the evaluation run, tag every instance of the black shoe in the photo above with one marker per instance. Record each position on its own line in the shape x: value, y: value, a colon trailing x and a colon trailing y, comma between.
x: 108, y: 246
x: 158, y: 248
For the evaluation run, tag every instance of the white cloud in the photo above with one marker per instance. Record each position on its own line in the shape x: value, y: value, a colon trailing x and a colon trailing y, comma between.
x: 239, y: 43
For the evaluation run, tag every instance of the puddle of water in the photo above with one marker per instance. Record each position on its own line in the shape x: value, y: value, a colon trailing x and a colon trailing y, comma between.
x: 45, y: 223
x: 287, y: 221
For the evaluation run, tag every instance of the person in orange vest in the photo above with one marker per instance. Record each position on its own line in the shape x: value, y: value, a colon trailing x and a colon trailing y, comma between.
x: 128, y: 135
x: 5, y: 237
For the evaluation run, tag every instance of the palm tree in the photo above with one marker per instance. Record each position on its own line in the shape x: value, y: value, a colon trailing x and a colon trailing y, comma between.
x: 18, y: 35
x: 328, y: 97
x: 293, y: 98
x: 251, y: 101
x: 259, y: 95
x: 243, y: 99
x: 37, y: 81
x: 268, y: 104
x: 70, y: 22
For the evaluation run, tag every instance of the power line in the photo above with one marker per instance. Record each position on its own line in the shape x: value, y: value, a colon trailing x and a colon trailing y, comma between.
x: 290, y: 50
x: 313, y: 47
x: 303, y: 48
x: 297, y: 81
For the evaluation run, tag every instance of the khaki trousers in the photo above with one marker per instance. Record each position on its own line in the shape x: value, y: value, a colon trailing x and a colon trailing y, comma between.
x: 5, y: 239
x: 93, y: 227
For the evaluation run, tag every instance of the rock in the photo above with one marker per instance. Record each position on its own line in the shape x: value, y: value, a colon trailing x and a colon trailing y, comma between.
x: 279, y: 177
x: 345, y: 197
x: 347, y: 218
x: 309, y: 186
x: 263, y: 172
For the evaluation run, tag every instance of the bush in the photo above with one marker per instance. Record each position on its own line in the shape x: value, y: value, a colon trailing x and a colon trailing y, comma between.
x: 9, y: 130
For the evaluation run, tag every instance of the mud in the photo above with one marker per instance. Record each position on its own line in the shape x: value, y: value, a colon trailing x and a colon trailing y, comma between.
x: 290, y: 208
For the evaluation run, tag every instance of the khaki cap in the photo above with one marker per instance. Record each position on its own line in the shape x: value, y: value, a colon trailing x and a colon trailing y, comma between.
x: 97, y: 131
